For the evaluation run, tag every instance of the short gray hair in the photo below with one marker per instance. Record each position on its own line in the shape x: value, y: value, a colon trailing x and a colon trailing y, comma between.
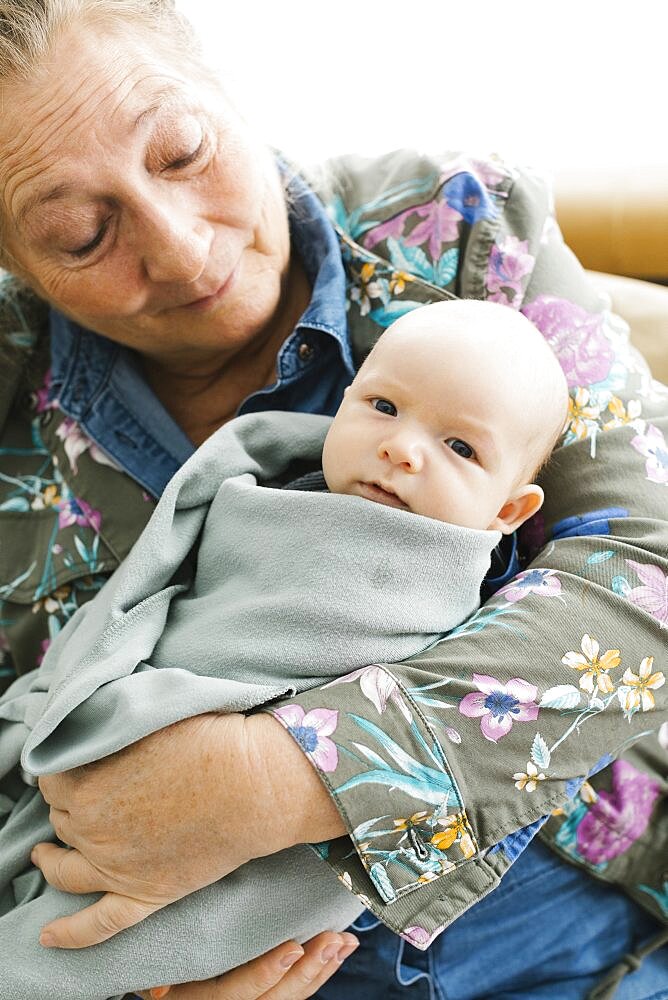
x: 30, y: 28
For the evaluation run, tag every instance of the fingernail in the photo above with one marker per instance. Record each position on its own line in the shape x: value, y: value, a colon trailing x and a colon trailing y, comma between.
x: 346, y: 951
x: 287, y: 961
x: 158, y: 992
x: 328, y: 953
x: 47, y: 940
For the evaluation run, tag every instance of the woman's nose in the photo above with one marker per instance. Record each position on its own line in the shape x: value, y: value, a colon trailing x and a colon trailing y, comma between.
x: 402, y: 449
x: 174, y: 247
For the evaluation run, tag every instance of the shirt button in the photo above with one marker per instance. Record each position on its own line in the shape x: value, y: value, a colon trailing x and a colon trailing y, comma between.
x: 305, y: 351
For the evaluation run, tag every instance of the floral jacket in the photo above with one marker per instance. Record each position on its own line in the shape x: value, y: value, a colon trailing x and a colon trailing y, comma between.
x: 544, y: 710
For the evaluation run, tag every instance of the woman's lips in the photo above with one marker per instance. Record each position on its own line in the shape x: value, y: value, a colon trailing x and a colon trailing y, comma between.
x: 372, y: 491
x: 209, y: 301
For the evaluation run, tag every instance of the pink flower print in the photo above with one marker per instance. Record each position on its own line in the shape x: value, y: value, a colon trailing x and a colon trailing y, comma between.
x: 499, y: 705
x: 420, y: 937
x: 77, y: 442
x: 509, y: 263
x: 441, y: 225
x: 74, y: 510
x: 543, y: 582
x: 652, y: 445
x: 618, y: 818
x: 43, y: 646
x: 653, y: 596
x: 312, y: 731
x: 393, y: 228
x: 575, y: 336
x: 42, y: 401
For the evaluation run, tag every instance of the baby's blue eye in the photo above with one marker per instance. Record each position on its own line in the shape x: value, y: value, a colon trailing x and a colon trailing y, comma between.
x: 460, y: 448
x: 384, y: 406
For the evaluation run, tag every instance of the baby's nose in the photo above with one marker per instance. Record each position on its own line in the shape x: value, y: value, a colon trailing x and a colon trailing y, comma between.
x: 403, y: 450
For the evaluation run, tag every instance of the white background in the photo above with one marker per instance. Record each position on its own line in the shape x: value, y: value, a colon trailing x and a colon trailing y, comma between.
x: 553, y: 83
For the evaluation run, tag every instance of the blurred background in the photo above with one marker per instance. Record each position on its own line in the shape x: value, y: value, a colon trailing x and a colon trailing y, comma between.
x: 557, y: 83
x: 575, y: 88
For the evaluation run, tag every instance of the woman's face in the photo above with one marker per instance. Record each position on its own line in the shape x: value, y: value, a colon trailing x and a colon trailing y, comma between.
x: 136, y: 200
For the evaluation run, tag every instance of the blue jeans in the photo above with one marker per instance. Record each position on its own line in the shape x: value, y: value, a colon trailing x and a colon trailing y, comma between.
x: 548, y: 932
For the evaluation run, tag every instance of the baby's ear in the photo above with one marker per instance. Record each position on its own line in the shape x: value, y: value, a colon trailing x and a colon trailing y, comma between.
x: 522, y: 505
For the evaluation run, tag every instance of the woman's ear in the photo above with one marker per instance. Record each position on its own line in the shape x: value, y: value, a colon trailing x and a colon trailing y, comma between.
x: 519, y: 508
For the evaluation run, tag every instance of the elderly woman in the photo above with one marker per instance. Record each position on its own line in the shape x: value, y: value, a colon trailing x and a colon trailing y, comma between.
x: 169, y: 272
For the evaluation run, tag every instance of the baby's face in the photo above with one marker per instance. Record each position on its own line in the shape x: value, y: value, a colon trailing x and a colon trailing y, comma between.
x: 436, y: 429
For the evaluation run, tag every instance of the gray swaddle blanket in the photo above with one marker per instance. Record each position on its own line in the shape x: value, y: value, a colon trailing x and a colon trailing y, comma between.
x: 235, y: 594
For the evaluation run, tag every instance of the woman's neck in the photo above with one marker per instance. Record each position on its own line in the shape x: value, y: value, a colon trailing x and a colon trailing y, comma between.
x: 204, y: 397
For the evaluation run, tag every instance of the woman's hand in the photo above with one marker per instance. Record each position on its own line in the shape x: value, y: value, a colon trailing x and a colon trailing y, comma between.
x: 288, y: 972
x: 172, y: 813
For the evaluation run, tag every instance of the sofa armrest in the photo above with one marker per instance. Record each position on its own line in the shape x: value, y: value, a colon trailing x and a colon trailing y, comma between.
x: 644, y: 306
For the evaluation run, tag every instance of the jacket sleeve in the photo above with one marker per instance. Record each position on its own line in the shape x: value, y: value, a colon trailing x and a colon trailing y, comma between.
x: 435, y: 762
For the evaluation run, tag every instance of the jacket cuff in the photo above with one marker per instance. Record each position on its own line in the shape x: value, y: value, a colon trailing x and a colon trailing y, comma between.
x: 399, y: 800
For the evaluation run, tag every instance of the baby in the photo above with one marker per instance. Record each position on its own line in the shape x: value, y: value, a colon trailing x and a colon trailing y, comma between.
x: 239, y: 593
x: 451, y: 416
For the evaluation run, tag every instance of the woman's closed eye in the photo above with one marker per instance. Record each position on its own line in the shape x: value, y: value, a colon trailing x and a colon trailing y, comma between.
x: 460, y: 448
x: 91, y: 245
x: 179, y: 162
x: 384, y: 406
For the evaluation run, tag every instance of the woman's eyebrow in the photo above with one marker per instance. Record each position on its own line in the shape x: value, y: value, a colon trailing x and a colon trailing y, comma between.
x: 62, y: 190
x: 40, y: 198
x: 164, y: 97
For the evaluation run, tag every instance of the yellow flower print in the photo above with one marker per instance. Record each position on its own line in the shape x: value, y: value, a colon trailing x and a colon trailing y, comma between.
x: 456, y: 831
x: 635, y: 691
x: 414, y: 820
x: 48, y: 498
x: 622, y: 415
x: 581, y: 409
x: 398, y: 281
x: 588, y: 793
x: 528, y: 780
x: 53, y: 601
x: 594, y: 667
x: 367, y: 289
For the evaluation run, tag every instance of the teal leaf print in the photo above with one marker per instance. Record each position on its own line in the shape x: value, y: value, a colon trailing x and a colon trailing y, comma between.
x: 660, y: 897
x: 372, y: 756
x: 621, y: 586
x: 430, y: 784
x: 412, y: 259
x: 561, y: 696
x: 599, y: 557
x: 446, y: 268
x: 540, y: 752
x: 381, y: 880
x: 384, y: 315
x: 16, y: 503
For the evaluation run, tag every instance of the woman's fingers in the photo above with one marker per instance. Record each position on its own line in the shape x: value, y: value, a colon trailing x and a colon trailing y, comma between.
x: 66, y: 870
x: 110, y: 915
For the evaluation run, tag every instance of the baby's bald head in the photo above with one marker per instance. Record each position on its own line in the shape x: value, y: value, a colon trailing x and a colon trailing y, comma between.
x: 495, y: 352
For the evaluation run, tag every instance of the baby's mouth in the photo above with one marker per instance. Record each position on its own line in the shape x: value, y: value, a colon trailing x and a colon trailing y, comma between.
x: 379, y: 494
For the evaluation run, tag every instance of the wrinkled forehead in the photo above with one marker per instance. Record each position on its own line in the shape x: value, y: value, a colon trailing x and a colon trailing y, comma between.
x: 84, y: 95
